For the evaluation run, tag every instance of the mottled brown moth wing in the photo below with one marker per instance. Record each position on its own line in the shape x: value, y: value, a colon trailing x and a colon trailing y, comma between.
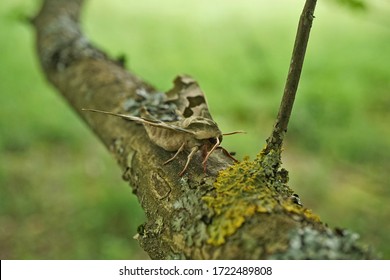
x: 192, y: 105
x: 188, y: 97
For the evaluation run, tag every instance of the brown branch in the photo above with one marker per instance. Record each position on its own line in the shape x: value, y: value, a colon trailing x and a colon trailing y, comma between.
x: 275, y: 141
x: 247, y: 213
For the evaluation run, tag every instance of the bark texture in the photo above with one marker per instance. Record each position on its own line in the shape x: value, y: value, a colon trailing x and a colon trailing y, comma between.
x: 246, y: 211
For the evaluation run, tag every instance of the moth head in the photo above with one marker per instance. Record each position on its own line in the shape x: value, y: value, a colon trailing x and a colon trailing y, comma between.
x: 202, y: 128
x: 206, y: 133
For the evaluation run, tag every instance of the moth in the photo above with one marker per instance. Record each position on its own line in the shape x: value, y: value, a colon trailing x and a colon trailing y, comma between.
x: 194, y: 129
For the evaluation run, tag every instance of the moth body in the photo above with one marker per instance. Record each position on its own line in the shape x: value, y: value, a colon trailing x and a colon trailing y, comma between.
x: 167, y: 139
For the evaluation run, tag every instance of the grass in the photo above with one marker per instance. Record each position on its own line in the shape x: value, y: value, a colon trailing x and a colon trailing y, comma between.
x: 61, y: 196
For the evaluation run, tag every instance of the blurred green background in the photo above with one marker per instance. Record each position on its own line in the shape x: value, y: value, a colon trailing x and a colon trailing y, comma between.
x: 61, y: 193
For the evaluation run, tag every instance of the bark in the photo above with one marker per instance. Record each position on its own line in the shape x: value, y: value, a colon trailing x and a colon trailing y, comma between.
x: 246, y: 211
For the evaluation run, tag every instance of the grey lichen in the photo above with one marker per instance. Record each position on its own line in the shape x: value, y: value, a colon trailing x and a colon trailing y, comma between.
x: 310, y: 243
x: 155, y: 102
x: 188, y: 217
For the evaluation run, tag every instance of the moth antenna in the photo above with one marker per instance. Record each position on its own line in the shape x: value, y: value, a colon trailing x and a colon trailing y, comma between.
x: 233, y: 132
x: 155, y: 123
x: 127, y: 117
x: 132, y: 118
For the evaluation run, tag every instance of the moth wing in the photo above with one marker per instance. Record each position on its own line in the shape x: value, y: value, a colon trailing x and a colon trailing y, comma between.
x: 149, y: 119
x: 188, y: 97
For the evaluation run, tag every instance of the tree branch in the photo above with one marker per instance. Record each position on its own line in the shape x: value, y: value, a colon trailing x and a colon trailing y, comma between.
x: 246, y: 212
x: 275, y: 141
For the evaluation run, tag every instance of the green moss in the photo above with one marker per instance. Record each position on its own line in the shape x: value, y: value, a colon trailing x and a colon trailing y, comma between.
x: 249, y: 188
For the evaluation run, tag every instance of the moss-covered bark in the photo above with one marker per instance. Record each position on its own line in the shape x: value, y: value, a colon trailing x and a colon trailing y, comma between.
x: 247, y: 211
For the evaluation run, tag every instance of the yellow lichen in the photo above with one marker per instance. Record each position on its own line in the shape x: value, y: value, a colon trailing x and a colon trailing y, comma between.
x: 247, y: 188
x: 301, y: 211
x: 239, y: 193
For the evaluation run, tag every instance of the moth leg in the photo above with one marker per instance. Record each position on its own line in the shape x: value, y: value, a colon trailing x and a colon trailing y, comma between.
x: 204, y: 154
x: 192, y: 153
x: 177, y: 153
x: 211, y: 151
x: 227, y: 154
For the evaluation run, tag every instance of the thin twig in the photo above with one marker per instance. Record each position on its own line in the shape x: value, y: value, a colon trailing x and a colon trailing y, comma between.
x: 275, y: 142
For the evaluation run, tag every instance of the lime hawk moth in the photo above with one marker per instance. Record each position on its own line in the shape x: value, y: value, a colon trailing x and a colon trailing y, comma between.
x: 193, y: 128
